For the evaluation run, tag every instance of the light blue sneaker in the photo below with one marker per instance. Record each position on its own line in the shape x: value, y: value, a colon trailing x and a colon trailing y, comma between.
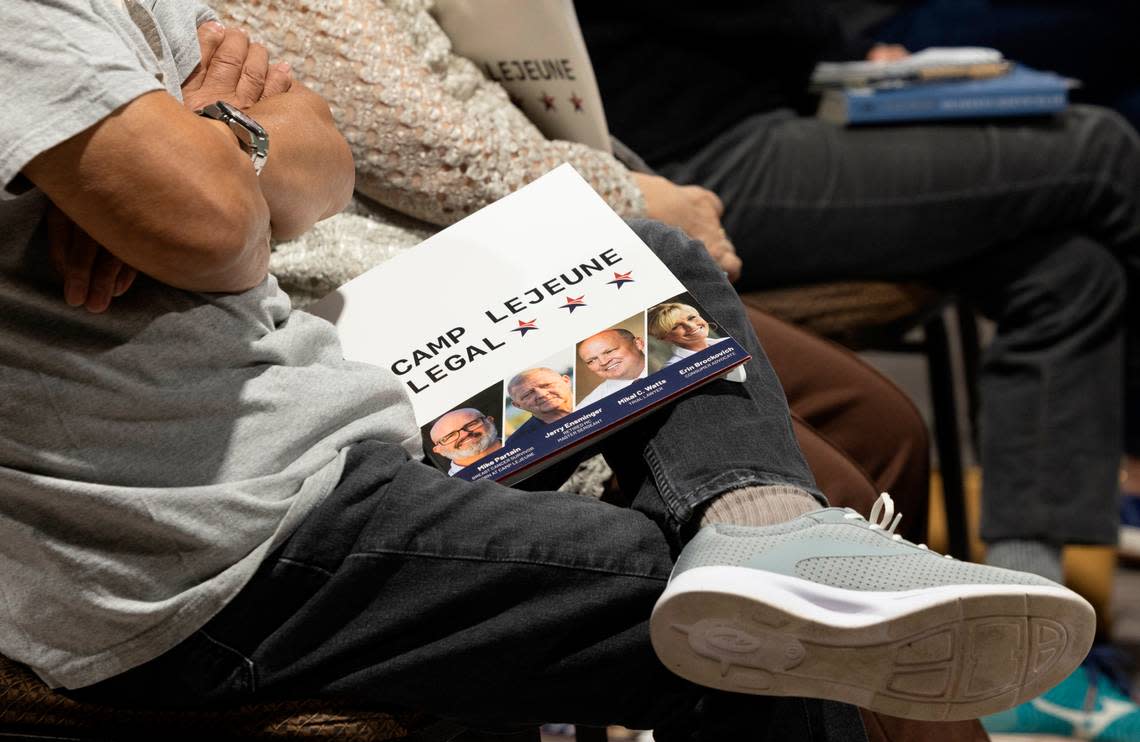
x: 1086, y: 705
x: 829, y: 605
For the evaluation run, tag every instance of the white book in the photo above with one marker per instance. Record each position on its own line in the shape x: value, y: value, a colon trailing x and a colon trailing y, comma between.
x: 547, y: 287
x: 934, y: 63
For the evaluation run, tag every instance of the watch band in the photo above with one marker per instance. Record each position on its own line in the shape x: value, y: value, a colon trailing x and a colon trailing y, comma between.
x: 250, y: 134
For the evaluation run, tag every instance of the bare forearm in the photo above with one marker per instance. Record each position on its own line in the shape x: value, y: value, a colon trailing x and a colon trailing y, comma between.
x: 309, y: 174
x: 167, y: 192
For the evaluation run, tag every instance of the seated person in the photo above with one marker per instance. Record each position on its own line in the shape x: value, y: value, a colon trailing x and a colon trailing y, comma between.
x: 220, y: 509
x: 1036, y: 222
x: 682, y: 326
x: 415, y: 174
x: 543, y: 392
x: 617, y: 356
x: 463, y: 437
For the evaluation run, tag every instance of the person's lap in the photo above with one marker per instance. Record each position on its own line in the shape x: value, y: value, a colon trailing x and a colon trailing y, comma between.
x: 408, y: 589
x: 1022, y: 216
x: 488, y: 604
x: 808, y: 201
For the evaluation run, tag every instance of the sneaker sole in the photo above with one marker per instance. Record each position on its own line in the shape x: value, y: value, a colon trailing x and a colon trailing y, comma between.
x: 938, y: 654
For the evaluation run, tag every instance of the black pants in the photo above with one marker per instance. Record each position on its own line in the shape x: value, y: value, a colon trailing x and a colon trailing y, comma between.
x: 1038, y: 222
x: 491, y: 605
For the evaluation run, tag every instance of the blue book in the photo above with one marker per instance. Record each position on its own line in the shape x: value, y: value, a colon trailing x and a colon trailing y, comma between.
x: 1020, y: 92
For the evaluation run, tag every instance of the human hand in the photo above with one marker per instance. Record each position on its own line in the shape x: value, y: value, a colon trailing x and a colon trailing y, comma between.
x: 232, y: 70
x: 92, y: 276
x: 694, y: 209
x: 887, y: 53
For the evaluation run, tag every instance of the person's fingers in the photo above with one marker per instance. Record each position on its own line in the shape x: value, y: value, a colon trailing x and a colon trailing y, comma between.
x: 225, y: 68
x: 704, y: 198
x: 723, y: 252
x: 251, y: 84
x: 210, y: 35
x: 279, y: 80
x: 104, y: 277
x: 79, y: 259
x: 731, y: 264
x: 714, y: 199
x: 126, y: 277
x: 887, y: 53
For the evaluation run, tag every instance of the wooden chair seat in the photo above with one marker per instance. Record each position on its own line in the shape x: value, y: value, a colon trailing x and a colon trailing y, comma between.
x: 857, y: 314
x: 32, y: 711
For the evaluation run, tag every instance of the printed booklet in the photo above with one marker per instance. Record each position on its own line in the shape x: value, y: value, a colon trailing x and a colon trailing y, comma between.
x: 1020, y: 92
x: 529, y: 329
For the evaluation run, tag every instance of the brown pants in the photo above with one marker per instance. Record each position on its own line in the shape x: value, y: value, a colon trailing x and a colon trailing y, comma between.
x: 859, y: 432
x: 861, y: 435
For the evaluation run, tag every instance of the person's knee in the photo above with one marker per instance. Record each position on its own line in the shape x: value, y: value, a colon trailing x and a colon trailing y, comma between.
x: 1091, y: 280
x: 1069, y: 284
x: 1108, y: 139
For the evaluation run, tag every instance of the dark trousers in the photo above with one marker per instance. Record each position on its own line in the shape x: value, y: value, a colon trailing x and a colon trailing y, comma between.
x: 493, y: 605
x: 1038, y: 222
x: 861, y: 435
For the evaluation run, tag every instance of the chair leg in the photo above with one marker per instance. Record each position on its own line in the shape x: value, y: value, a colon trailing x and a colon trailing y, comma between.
x: 971, y: 353
x: 941, y: 375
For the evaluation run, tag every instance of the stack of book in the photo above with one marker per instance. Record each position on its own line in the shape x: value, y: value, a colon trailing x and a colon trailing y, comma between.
x: 936, y: 84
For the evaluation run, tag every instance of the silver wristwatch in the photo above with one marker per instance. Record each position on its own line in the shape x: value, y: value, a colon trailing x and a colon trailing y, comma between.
x: 251, y: 136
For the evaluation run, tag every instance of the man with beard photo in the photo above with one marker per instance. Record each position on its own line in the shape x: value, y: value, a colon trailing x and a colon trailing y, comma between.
x: 463, y: 437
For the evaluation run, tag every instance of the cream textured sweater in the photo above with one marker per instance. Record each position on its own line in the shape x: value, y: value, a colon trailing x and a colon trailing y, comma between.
x: 433, y: 139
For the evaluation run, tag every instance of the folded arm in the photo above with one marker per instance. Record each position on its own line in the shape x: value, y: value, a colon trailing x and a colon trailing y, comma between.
x: 165, y: 191
x: 309, y: 174
x: 173, y: 195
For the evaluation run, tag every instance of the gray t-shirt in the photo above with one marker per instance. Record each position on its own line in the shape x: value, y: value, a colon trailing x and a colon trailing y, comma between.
x: 151, y: 456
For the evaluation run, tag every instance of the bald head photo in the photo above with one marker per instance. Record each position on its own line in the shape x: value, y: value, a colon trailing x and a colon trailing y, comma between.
x: 616, y: 356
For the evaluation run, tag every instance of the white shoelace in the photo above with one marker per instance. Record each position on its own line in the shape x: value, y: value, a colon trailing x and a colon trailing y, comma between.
x: 883, y: 518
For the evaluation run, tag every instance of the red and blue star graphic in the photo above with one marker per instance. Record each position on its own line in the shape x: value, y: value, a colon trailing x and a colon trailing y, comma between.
x: 548, y: 101
x: 525, y: 327
x: 572, y: 303
x: 574, y: 99
x: 621, y: 278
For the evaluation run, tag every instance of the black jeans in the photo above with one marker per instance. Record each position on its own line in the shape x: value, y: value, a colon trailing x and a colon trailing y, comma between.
x: 1038, y: 222
x: 493, y: 606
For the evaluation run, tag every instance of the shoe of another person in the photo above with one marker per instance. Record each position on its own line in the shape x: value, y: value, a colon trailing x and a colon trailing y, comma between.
x: 829, y: 605
x: 1130, y: 526
x: 1085, y: 705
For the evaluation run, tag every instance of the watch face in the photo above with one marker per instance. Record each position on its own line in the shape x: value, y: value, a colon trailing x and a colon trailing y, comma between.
x: 249, y: 133
x: 244, y: 120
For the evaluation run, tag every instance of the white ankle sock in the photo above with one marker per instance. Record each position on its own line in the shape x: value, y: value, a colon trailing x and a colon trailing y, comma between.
x: 759, y: 506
